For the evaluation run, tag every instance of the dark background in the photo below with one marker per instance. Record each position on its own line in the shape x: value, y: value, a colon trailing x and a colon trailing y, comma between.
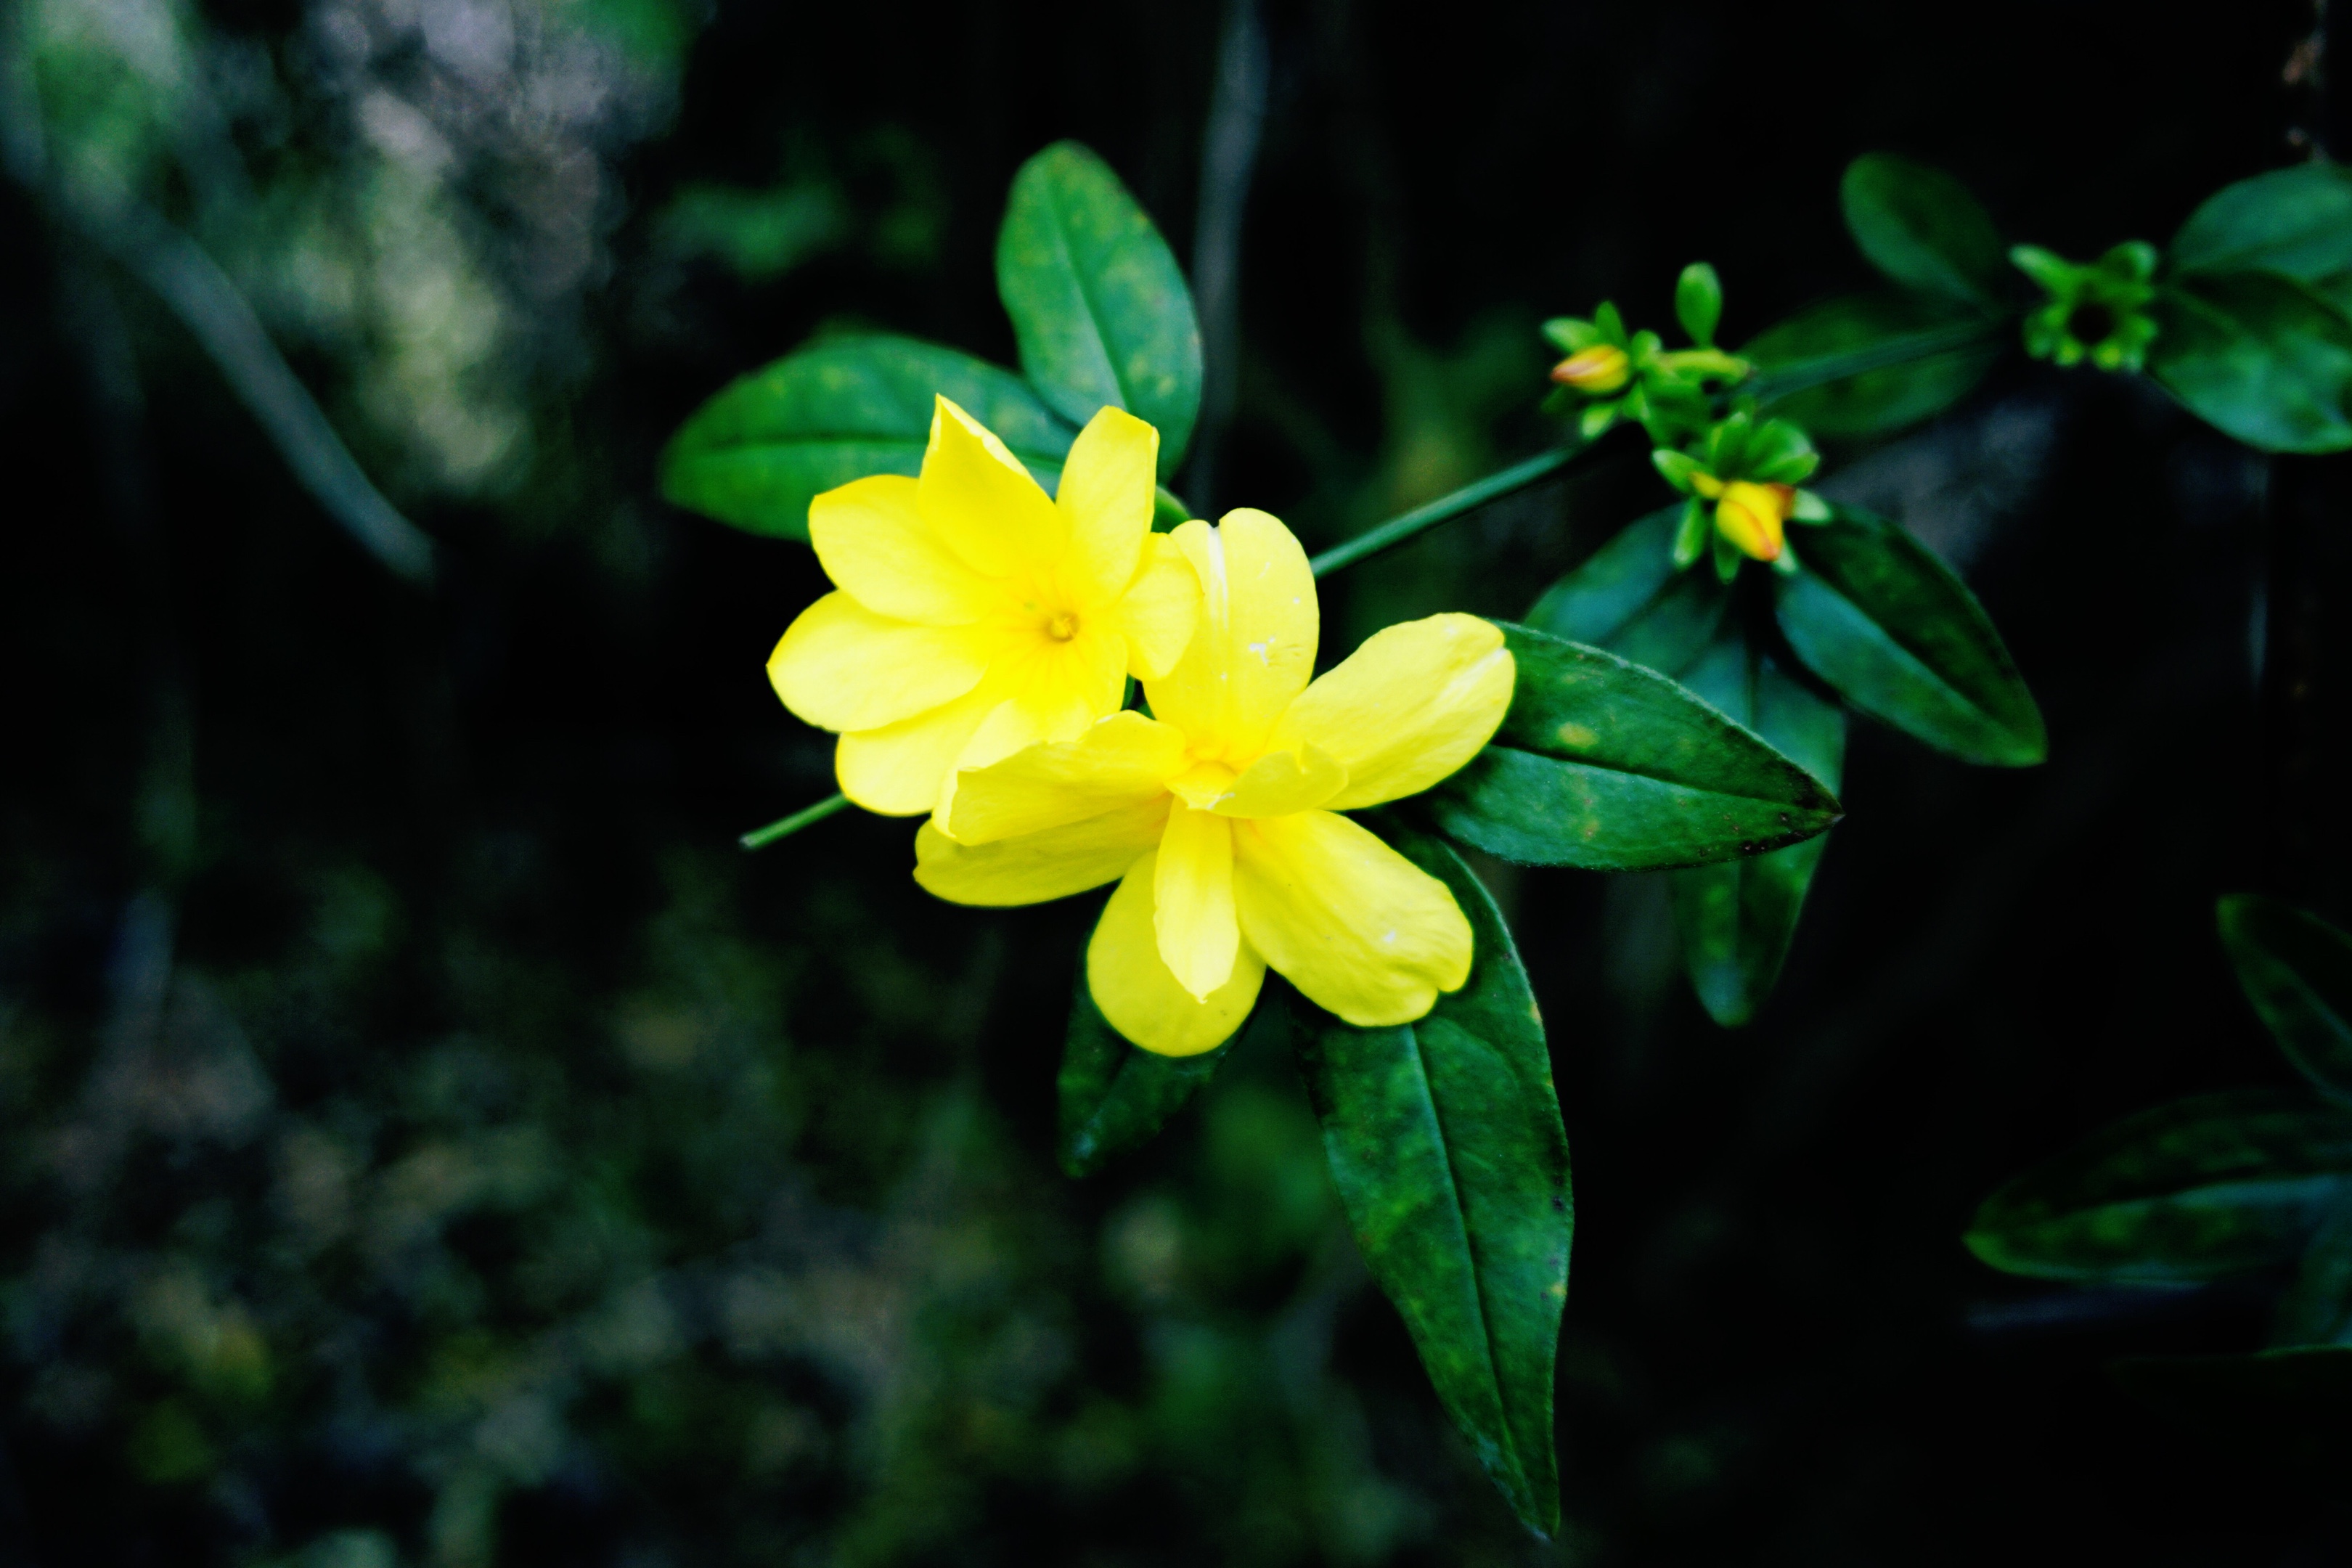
x: 427, y: 1139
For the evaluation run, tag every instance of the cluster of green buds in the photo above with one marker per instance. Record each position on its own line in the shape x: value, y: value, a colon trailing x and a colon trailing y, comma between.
x: 1749, y: 468
x: 2095, y: 310
x: 1610, y: 373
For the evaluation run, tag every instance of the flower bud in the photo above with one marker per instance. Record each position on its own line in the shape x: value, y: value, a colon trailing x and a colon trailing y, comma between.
x: 1750, y: 515
x: 1598, y: 370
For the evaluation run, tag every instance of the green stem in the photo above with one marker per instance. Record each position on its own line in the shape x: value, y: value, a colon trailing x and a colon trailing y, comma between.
x: 785, y: 826
x: 1421, y: 519
x: 1801, y: 374
x: 1388, y: 535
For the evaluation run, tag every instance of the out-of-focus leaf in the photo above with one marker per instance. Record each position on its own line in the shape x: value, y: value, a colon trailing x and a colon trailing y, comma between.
x: 1874, y: 614
x: 1924, y: 362
x: 1923, y: 229
x: 1097, y: 302
x: 1446, y: 1146
x: 1606, y: 766
x: 2296, y: 1401
x: 2296, y: 222
x: 1628, y: 598
x: 2194, y: 1190
x: 1736, y: 917
x: 2297, y: 972
x: 2259, y: 357
x: 1113, y: 1097
x: 2316, y: 1309
x: 765, y: 445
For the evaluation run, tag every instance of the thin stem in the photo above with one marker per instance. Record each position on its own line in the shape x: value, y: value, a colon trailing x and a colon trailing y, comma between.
x: 1803, y: 373
x: 1421, y: 519
x: 785, y: 826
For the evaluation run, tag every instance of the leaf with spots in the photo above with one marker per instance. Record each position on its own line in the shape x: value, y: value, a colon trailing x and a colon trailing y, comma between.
x: 1099, y: 304
x: 1446, y: 1146
x: 2200, y: 1189
x: 1603, y: 764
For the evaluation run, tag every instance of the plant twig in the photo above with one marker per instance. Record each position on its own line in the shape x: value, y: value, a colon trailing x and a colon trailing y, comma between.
x: 216, y: 314
x: 1421, y: 519
x: 785, y: 826
x: 1802, y: 374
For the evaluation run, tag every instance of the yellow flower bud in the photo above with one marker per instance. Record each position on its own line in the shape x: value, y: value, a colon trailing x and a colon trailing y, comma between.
x: 1598, y: 370
x: 1751, y: 515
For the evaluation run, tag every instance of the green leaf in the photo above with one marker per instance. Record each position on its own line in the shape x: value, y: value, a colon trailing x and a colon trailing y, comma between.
x: 1446, y: 1148
x: 1099, y: 304
x: 2195, y: 1190
x: 2296, y: 222
x: 2316, y: 1307
x: 1923, y: 229
x: 1603, y: 764
x: 1698, y: 302
x: 1915, y: 361
x: 1874, y: 614
x: 2259, y: 357
x: 1736, y: 917
x: 760, y: 450
x: 1114, y: 1097
x: 2297, y: 972
x: 1629, y: 598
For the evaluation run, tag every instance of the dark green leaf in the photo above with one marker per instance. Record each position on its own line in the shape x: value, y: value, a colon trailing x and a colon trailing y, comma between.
x: 1114, y: 1097
x: 759, y: 451
x: 1628, y: 598
x: 1097, y: 302
x: 2294, y: 1402
x: 2316, y: 1307
x: 2259, y: 357
x: 1606, y: 766
x: 1919, y: 362
x: 1446, y: 1147
x: 2194, y: 1190
x: 1874, y: 614
x: 2297, y: 972
x: 1923, y: 229
x: 1736, y: 917
x: 2296, y: 222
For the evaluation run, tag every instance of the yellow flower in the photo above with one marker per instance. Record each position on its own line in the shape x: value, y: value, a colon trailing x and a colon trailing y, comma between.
x: 1748, y: 514
x: 975, y: 616
x: 1218, y: 816
x: 1599, y: 370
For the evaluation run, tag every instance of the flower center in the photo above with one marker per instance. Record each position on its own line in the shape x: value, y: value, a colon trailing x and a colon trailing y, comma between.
x: 2090, y: 323
x: 1062, y: 626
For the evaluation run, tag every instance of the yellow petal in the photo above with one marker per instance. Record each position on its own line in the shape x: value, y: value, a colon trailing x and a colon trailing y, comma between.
x: 1255, y: 646
x: 899, y: 769
x: 1751, y: 515
x: 840, y: 665
x: 1124, y: 760
x: 978, y: 499
x: 1036, y: 867
x: 1412, y: 705
x: 1104, y: 499
x: 1136, y: 994
x: 871, y: 540
x: 1362, y: 931
x: 1280, y: 783
x: 1052, y: 690
x: 1159, y: 610
x: 1193, y: 901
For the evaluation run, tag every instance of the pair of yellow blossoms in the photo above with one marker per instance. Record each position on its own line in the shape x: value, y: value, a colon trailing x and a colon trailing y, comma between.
x: 975, y: 659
